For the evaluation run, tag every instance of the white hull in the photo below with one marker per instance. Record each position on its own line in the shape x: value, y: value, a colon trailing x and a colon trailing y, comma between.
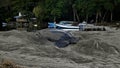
x: 66, y: 27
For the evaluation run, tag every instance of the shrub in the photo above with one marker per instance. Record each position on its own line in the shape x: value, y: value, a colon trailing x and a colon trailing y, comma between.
x: 8, y: 64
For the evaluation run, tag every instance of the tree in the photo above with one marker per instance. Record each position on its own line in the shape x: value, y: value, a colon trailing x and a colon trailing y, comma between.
x: 86, y: 8
x: 38, y: 11
x: 55, y: 10
x: 108, y: 7
x: 6, y: 6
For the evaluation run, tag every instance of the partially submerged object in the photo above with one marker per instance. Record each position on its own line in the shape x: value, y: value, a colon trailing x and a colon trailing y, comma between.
x: 51, y: 25
x: 80, y: 27
x: 59, y: 26
x: 65, y: 39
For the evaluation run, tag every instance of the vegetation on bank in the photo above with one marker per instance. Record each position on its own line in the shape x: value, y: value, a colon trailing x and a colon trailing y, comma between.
x: 56, y: 10
x: 8, y: 64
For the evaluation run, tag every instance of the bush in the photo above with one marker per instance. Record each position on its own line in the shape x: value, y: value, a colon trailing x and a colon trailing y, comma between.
x: 8, y: 64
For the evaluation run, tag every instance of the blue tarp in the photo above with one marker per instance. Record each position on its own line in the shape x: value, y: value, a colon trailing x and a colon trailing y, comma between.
x: 51, y: 25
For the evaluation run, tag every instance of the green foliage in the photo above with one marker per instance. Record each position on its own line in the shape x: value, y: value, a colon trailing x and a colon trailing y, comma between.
x: 38, y: 11
x: 59, y: 9
x: 8, y: 19
x: 85, y: 7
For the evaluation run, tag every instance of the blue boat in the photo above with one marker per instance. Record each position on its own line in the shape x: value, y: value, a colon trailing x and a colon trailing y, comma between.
x: 67, y: 25
x: 51, y: 25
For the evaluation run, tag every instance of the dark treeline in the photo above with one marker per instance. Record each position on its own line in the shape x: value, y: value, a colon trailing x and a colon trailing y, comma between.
x: 56, y: 10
